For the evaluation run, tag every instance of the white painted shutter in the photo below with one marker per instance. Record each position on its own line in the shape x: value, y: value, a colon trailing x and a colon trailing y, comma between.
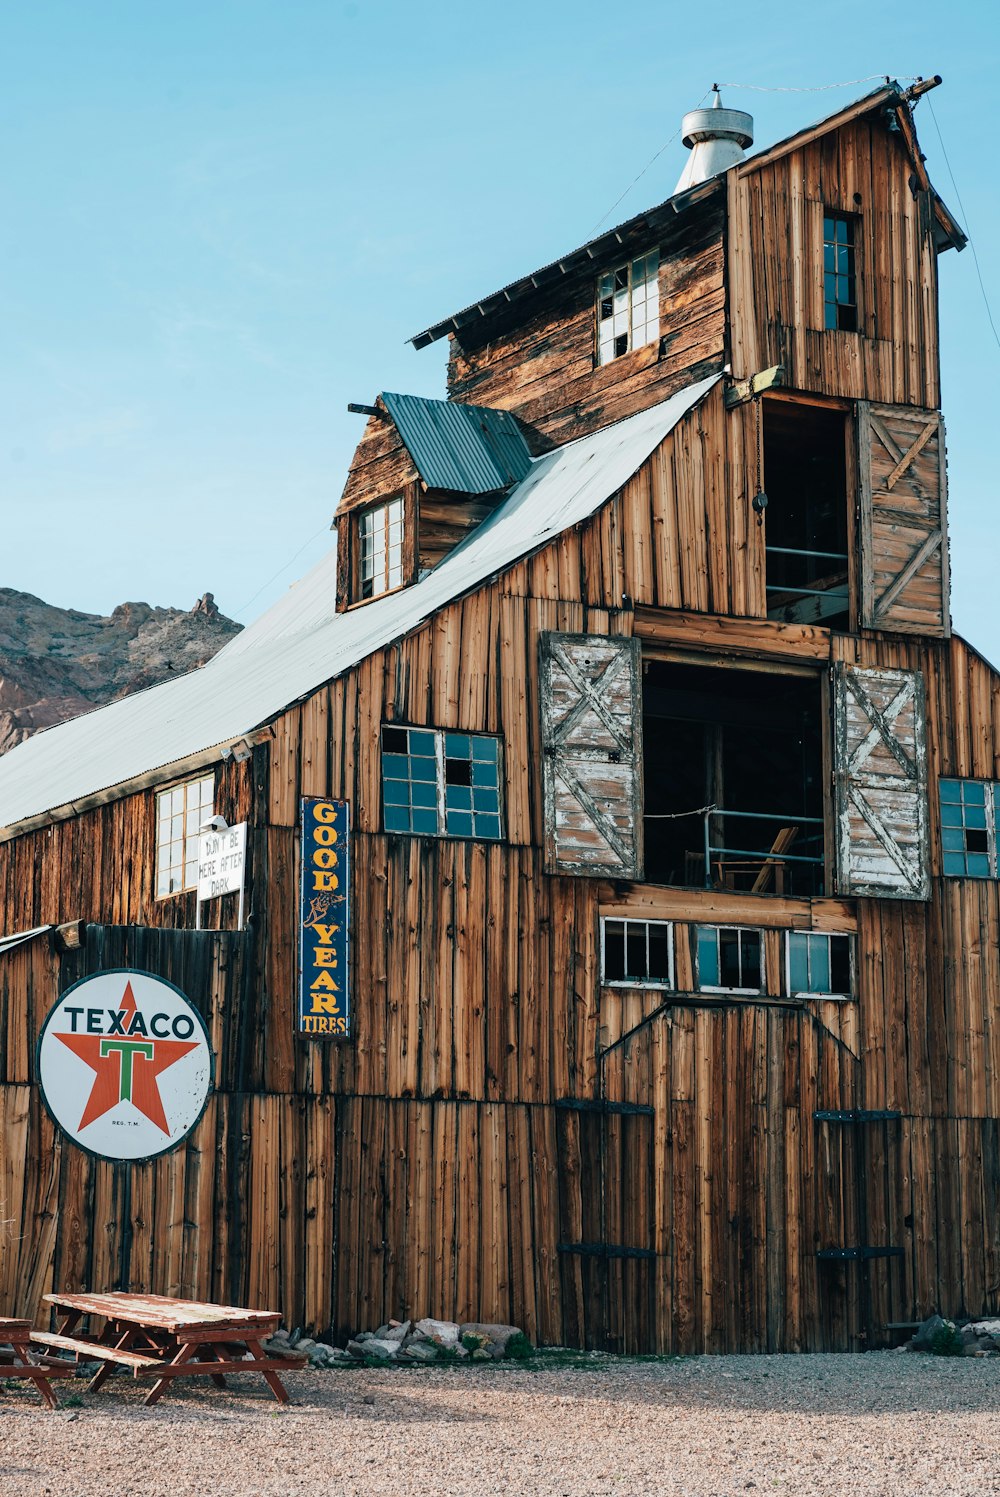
x: 904, y: 545
x: 880, y: 772
x: 591, y: 703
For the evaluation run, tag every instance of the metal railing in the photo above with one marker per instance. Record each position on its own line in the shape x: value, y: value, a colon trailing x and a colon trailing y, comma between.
x: 808, y: 592
x: 767, y: 856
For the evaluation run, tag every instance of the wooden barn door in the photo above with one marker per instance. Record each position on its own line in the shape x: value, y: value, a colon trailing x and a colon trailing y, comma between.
x: 606, y: 1226
x: 592, y: 744
x: 880, y: 780
x: 904, y: 549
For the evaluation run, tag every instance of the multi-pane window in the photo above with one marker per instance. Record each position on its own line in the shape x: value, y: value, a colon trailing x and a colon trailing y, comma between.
x: 628, y: 307
x: 180, y: 813
x: 380, y: 537
x: 637, y: 953
x: 818, y: 964
x: 970, y: 810
x: 729, y: 959
x: 441, y: 784
x: 840, y: 289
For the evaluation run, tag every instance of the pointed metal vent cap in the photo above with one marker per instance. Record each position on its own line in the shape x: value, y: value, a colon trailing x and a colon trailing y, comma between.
x: 716, y: 138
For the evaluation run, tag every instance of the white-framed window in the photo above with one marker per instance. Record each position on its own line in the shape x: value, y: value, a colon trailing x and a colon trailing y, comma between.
x: 628, y: 307
x: 380, y: 543
x: 180, y: 812
x: 441, y: 784
x: 819, y: 965
x: 730, y: 959
x: 637, y: 953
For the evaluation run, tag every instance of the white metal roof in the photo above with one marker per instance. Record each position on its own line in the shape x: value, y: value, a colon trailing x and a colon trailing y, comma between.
x: 303, y: 642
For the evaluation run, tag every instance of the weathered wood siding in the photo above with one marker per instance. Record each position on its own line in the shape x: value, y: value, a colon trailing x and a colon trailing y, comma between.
x: 540, y: 361
x: 775, y: 268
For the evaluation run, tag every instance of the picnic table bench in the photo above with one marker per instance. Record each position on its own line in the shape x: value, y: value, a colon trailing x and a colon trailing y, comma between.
x: 17, y: 1363
x: 165, y: 1338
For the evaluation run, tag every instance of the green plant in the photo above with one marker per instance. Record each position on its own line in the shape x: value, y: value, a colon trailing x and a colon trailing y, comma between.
x: 519, y: 1348
x: 946, y: 1341
x: 74, y: 1401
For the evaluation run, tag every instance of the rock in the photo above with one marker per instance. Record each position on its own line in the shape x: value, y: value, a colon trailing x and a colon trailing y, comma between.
x: 925, y: 1332
x: 356, y: 1348
x: 493, y: 1338
x: 420, y: 1351
x: 395, y: 1331
x: 441, y: 1332
x: 381, y: 1347
x: 337, y: 1356
x: 304, y: 1347
x: 363, y: 1336
x: 481, y: 1355
x: 988, y: 1330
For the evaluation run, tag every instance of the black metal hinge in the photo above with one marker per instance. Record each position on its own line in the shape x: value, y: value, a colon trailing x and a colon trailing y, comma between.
x: 583, y: 1104
x: 840, y: 1255
x: 604, y: 1250
x: 857, y: 1116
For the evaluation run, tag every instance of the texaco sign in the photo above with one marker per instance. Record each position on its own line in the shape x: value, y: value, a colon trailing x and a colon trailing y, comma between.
x: 125, y: 1065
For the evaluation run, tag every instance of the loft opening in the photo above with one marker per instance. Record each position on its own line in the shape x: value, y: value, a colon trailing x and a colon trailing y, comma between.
x: 733, y: 779
x: 807, y: 532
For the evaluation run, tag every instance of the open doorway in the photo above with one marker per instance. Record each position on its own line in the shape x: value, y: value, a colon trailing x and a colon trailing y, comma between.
x: 733, y: 779
x: 806, y: 526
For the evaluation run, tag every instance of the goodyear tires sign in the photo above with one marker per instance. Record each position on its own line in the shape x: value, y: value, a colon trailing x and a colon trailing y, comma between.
x: 324, y: 994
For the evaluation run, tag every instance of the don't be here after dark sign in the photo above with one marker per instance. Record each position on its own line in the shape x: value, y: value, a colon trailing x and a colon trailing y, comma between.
x: 324, y: 995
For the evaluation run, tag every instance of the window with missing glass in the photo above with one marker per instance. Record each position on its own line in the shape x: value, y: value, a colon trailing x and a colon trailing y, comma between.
x: 380, y: 549
x: 628, y: 307
x: 969, y: 814
x: 180, y: 813
x: 729, y: 959
x: 637, y: 953
x: 840, y: 284
x: 819, y: 964
x: 440, y: 784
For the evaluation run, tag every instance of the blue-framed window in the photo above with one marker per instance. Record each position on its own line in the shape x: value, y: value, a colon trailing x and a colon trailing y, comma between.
x: 440, y: 784
x: 969, y: 811
x: 637, y: 953
x: 819, y: 964
x: 730, y: 959
x: 840, y: 283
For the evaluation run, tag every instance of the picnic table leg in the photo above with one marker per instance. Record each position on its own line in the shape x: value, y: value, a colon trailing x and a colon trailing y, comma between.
x: 39, y: 1379
x: 272, y: 1379
x: 210, y: 1353
x: 107, y: 1368
x: 162, y: 1383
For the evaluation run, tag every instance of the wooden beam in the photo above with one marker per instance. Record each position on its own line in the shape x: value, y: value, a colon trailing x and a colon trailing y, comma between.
x: 739, y: 636
x: 618, y: 901
x: 745, y: 389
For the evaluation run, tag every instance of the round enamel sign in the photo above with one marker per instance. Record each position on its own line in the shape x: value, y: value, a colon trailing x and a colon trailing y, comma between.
x: 125, y: 1065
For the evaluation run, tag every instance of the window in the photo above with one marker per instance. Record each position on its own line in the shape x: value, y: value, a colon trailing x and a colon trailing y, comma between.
x: 818, y: 964
x: 380, y: 533
x: 441, y: 784
x: 180, y: 812
x: 729, y: 959
x: 733, y: 780
x: 969, y: 810
x: 807, y: 521
x: 840, y: 295
x: 628, y: 307
x: 637, y: 953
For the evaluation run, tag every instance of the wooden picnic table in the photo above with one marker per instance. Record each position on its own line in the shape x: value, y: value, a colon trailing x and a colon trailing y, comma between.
x: 17, y: 1363
x: 164, y: 1338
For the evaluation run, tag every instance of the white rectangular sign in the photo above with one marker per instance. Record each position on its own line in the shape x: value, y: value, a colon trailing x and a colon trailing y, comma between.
x: 221, y: 861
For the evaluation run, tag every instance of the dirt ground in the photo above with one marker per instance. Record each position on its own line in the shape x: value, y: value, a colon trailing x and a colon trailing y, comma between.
x: 833, y: 1426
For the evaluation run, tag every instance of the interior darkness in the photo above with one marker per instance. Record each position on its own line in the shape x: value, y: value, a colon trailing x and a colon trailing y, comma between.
x: 805, y: 479
x: 744, y: 742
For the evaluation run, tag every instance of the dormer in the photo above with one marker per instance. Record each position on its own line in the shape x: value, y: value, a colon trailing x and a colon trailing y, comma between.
x: 425, y: 474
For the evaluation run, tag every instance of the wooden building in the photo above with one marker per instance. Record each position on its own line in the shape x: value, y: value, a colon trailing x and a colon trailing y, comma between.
x: 674, y: 973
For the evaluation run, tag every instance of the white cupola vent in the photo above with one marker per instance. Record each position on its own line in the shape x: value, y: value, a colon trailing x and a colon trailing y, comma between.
x: 716, y: 138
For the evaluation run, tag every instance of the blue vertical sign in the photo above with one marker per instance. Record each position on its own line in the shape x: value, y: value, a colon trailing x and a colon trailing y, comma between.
x: 324, y: 994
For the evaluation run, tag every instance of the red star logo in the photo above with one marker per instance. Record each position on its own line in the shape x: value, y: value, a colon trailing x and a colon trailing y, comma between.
x: 126, y: 1068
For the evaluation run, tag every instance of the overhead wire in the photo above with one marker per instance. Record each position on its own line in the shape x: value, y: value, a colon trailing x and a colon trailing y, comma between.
x: 645, y: 169
x: 968, y: 227
x: 265, y: 585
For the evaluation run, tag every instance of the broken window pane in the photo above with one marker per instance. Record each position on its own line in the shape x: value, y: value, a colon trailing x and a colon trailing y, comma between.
x: 969, y: 828
x: 628, y: 307
x: 636, y: 952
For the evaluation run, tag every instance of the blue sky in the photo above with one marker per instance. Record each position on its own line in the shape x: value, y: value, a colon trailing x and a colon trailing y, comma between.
x: 223, y: 220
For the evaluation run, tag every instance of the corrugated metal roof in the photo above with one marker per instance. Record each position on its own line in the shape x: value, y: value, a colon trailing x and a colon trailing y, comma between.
x: 303, y: 641
x: 469, y: 449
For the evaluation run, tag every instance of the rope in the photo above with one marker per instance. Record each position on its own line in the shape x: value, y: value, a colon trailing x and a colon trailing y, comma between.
x: 677, y: 815
x: 819, y: 88
x: 968, y: 230
x: 645, y: 169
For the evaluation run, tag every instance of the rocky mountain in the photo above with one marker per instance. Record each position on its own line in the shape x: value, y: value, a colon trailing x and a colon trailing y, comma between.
x: 58, y: 662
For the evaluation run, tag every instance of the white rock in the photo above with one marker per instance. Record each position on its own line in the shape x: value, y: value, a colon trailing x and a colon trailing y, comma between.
x: 442, y: 1332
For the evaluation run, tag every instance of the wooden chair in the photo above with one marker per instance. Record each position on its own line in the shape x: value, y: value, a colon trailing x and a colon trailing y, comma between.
x: 18, y: 1363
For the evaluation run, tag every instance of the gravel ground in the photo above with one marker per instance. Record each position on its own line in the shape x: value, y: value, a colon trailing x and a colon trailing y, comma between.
x: 833, y: 1426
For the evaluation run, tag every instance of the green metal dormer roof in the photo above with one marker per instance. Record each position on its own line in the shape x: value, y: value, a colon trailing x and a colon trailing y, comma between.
x: 467, y: 449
